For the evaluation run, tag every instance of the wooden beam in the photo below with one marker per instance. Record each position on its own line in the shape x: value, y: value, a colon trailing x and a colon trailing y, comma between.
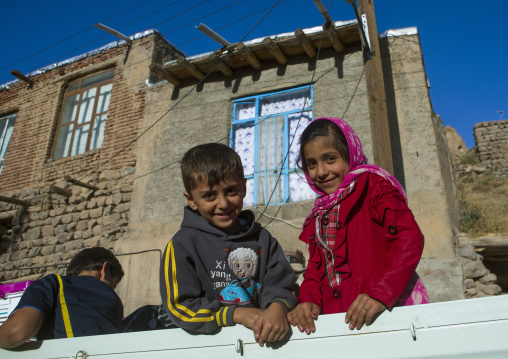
x: 22, y: 77
x: 376, y: 93
x: 113, y: 32
x: 221, y: 65
x: 165, y: 74
x: 190, y: 67
x: 79, y: 183
x: 61, y: 191
x: 249, y: 56
x: 275, y: 51
x: 15, y: 201
x: 305, y: 42
x: 329, y: 30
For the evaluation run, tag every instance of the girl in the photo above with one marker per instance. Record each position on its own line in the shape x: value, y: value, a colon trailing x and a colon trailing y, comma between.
x: 363, y: 241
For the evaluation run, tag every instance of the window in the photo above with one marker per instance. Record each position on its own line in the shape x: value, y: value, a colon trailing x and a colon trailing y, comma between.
x: 6, y: 128
x: 266, y: 134
x: 83, y: 116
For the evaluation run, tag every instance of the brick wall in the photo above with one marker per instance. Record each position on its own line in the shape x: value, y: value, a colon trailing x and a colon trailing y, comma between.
x: 491, y: 138
x: 28, y: 163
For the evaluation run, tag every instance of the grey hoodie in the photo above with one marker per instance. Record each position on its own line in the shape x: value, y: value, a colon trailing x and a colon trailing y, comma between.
x: 206, y: 274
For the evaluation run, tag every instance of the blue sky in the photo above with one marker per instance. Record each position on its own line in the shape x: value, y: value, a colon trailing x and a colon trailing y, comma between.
x: 464, y: 42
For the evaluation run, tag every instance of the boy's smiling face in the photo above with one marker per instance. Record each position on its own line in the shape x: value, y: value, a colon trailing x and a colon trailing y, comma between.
x: 219, y: 205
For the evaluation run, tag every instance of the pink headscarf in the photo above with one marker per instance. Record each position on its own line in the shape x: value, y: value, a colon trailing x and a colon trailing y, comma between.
x: 358, y: 164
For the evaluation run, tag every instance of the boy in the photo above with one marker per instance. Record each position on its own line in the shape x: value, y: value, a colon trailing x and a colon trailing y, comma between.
x: 221, y: 267
x: 81, y: 303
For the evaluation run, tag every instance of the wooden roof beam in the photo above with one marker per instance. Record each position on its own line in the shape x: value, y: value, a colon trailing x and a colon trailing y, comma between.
x: 190, y: 67
x: 249, y: 56
x: 79, y: 183
x: 22, y: 77
x: 165, y: 74
x: 19, y: 202
x: 329, y: 30
x: 307, y: 46
x: 275, y: 51
x: 61, y: 191
x: 221, y: 65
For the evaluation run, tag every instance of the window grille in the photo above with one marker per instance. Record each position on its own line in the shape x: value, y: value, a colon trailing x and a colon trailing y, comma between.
x: 266, y: 134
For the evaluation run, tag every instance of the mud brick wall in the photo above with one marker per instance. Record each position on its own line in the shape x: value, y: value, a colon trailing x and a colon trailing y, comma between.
x: 43, y: 238
x: 491, y: 138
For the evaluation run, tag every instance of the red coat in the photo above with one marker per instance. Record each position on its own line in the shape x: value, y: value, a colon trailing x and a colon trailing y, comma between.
x: 378, y: 246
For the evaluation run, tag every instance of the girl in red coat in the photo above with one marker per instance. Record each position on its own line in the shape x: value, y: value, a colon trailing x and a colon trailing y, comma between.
x: 363, y: 241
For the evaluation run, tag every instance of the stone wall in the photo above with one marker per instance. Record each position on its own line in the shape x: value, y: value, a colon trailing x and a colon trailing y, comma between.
x: 43, y: 238
x: 478, y: 280
x: 491, y: 139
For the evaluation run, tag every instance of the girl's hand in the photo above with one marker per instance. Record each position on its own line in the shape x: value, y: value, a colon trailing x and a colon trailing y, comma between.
x: 303, y: 316
x: 363, y: 310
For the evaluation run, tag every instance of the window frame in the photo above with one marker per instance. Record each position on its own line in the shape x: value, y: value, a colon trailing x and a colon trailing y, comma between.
x: 7, y: 120
x: 257, y: 120
x: 94, y: 115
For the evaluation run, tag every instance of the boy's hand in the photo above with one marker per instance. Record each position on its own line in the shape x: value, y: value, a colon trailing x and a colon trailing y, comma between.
x: 247, y: 316
x: 303, y: 316
x: 272, y: 325
x: 363, y: 310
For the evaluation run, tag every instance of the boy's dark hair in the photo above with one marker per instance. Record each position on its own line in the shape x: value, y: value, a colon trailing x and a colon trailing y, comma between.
x: 323, y: 128
x: 93, y: 259
x: 213, y: 162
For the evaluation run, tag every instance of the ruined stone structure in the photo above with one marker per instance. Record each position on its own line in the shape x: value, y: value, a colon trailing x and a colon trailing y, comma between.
x: 491, y: 139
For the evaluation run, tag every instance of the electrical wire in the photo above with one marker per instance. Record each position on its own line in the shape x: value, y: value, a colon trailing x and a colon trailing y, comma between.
x: 70, y: 37
x: 180, y: 100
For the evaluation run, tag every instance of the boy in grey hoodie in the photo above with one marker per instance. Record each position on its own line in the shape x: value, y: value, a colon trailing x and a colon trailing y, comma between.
x: 222, y: 268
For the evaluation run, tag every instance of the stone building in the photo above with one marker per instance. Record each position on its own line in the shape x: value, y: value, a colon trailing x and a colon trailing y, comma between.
x: 253, y: 96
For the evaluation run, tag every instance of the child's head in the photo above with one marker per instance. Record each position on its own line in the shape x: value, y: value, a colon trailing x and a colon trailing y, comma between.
x: 94, y: 259
x: 324, y: 155
x: 214, y: 184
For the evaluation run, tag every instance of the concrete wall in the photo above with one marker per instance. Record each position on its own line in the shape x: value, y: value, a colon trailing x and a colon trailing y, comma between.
x: 421, y: 159
x: 186, y: 117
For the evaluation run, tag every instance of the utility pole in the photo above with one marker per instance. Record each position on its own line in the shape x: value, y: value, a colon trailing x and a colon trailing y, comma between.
x: 376, y: 91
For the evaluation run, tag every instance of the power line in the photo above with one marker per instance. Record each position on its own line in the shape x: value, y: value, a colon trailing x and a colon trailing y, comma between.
x: 178, y: 102
x: 231, y: 23
x: 70, y: 37
x: 204, y: 17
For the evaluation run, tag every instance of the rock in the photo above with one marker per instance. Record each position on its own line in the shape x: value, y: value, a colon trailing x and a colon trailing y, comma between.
x: 468, y: 251
x: 108, y: 175
x: 33, y: 233
x: 60, y: 229
x: 491, y: 289
x: 475, y: 270
x: 81, y: 225
x: 490, y: 278
x: 48, y: 231
x: 123, y: 207
x: 67, y: 218
x: 469, y: 283
x: 96, y: 213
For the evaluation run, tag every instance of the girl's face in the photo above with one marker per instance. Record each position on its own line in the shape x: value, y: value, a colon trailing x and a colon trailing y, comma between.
x: 325, y: 165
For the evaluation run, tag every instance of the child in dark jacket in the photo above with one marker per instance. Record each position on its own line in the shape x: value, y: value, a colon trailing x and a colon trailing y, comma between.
x: 81, y: 303
x: 222, y: 267
x: 364, y: 244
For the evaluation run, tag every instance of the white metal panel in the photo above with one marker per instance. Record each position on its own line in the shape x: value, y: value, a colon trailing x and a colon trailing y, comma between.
x: 461, y: 329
